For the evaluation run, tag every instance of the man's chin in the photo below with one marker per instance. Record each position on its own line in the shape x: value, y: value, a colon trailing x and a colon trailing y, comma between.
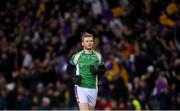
x: 89, y: 49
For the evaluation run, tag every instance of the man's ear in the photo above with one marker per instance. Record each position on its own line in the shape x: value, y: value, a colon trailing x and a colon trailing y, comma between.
x: 82, y: 44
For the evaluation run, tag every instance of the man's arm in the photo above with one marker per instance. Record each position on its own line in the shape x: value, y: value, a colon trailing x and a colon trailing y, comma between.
x: 71, y: 66
x: 70, y: 69
x: 71, y: 72
x: 101, y: 69
x: 98, y: 69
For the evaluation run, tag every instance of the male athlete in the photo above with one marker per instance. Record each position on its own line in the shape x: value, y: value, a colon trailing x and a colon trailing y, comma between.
x: 89, y: 66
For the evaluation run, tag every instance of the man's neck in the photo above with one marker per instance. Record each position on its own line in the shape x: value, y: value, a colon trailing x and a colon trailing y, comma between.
x: 88, y: 51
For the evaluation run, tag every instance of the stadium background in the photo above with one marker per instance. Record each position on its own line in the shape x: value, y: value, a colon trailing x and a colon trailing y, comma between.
x: 139, y: 40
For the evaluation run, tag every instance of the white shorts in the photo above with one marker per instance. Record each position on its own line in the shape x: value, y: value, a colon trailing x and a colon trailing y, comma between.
x: 86, y: 95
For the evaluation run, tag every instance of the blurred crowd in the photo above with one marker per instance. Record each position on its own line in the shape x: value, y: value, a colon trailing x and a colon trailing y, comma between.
x: 139, y: 41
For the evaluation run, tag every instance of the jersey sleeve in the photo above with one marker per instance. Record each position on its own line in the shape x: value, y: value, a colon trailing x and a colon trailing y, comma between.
x: 72, y: 59
x: 100, y: 58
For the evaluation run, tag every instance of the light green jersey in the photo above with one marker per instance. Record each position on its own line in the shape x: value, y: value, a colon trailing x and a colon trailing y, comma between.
x: 83, y: 60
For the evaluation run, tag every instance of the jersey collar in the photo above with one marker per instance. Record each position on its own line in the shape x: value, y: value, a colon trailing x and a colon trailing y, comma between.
x: 88, y: 52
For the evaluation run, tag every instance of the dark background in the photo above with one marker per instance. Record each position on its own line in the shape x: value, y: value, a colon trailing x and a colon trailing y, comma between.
x: 138, y: 39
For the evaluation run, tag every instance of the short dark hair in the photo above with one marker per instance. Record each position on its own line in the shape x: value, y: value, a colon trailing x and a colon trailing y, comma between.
x: 86, y: 34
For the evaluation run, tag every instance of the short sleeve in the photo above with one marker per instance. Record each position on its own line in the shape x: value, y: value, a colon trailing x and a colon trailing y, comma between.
x: 72, y: 59
x: 99, y: 56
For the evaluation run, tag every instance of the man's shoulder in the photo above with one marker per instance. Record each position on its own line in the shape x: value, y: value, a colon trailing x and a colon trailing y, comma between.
x: 79, y: 52
x: 76, y: 54
x: 96, y: 52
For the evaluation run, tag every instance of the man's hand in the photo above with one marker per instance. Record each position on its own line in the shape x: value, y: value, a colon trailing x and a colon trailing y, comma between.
x: 76, y: 79
x: 101, y: 69
x: 94, y: 69
x: 97, y: 69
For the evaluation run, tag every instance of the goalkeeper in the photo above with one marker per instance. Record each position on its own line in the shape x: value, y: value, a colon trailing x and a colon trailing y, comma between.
x: 88, y: 66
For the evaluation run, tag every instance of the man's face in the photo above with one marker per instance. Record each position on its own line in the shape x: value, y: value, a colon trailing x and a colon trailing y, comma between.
x: 88, y: 43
